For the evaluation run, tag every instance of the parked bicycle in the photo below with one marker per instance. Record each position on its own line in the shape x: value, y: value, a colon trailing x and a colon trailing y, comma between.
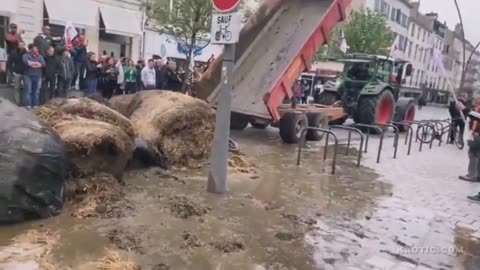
x: 431, y: 130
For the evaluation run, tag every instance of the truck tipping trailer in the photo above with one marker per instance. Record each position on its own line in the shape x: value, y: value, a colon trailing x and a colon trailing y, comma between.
x: 276, y: 46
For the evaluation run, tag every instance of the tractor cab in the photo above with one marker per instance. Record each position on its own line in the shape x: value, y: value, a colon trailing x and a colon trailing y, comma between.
x: 369, y: 90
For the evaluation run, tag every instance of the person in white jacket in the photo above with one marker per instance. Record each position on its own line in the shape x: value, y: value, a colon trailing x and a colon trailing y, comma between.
x: 148, y: 76
x: 121, y: 76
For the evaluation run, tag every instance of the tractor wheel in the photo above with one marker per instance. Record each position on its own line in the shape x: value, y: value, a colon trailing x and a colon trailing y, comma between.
x: 291, y: 126
x: 316, y: 120
x: 258, y: 125
x: 238, y: 121
x: 404, y: 112
x: 375, y: 109
x: 326, y: 98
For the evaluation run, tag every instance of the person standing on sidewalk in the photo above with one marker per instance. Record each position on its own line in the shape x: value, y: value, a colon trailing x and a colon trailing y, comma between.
x: 110, y: 77
x: 148, y: 76
x: 18, y: 70
x: 52, y: 68
x: 130, y: 77
x: 12, y: 39
x: 80, y: 58
x: 91, y: 74
x: 33, y: 76
x: 44, y: 40
x: 65, y: 74
x: 474, y: 156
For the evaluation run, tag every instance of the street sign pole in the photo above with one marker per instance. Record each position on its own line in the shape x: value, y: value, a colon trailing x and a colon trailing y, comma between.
x: 217, y: 175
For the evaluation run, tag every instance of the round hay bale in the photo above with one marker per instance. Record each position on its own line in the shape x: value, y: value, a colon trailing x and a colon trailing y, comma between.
x: 179, y: 126
x: 51, y: 115
x: 99, y: 98
x: 90, y: 109
x: 122, y: 103
x: 94, y: 146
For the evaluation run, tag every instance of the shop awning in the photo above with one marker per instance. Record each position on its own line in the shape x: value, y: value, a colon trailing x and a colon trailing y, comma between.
x: 120, y: 21
x: 62, y: 11
x: 8, y: 7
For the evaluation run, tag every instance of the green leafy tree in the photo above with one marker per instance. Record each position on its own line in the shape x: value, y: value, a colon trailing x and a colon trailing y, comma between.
x: 186, y: 20
x: 365, y: 32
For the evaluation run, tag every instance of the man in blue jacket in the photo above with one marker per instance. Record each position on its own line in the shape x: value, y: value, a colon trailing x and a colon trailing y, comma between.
x: 33, y: 76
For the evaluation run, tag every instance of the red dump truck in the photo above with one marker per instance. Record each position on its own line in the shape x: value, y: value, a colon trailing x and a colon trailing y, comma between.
x: 276, y: 45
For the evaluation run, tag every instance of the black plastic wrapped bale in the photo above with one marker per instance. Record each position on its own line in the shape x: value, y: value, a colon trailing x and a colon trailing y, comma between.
x: 32, y: 167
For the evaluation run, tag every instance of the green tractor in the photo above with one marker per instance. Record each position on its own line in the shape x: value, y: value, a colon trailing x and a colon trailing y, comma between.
x: 369, y: 90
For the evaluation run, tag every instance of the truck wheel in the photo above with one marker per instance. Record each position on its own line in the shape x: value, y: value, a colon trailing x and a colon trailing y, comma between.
x: 375, y: 109
x: 326, y: 98
x: 291, y: 126
x: 316, y: 120
x: 258, y: 125
x: 339, y: 121
x: 238, y: 121
x: 404, y: 112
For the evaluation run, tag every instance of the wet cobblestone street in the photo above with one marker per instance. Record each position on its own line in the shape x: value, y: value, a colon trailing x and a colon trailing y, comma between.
x: 424, y: 221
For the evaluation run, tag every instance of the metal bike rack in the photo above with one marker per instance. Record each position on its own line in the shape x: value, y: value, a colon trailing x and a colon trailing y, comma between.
x: 350, y: 130
x: 328, y: 132
x: 409, y: 136
x: 380, y: 145
x: 395, y: 140
x: 417, y: 123
x: 424, y: 123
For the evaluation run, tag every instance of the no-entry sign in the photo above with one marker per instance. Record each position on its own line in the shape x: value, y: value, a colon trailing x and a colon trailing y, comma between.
x: 225, y: 5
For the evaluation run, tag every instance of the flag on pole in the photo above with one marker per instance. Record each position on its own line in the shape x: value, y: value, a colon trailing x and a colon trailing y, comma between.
x: 70, y: 32
x: 395, y: 46
x: 343, y: 43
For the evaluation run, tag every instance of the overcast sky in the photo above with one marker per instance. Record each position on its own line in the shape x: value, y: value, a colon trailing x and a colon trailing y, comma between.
x: 447, y: 12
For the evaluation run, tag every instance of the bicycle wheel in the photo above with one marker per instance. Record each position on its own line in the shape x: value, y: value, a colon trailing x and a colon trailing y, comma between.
x: 426, y: 133
x: 227, y: 36
x: 458, y: 139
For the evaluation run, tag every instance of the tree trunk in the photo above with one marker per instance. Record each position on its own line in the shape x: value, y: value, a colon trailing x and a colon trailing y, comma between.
x: 188, y: 79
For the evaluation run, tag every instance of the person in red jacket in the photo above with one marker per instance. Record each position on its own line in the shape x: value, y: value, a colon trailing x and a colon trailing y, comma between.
x: 12, y: 39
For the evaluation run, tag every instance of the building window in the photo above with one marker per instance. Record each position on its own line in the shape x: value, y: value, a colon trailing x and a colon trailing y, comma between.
x: 421, y: 53
x: 402, y: 43
x: 398, y: 19
x: 415, y: 53
x: 386, y: 11
x: 413, y: 30
x: 411, y: 77
x: 394, y: 14
x: 404, y: 21
x: 377, y: 5
x: 424, y: 35
x: 410, y: 50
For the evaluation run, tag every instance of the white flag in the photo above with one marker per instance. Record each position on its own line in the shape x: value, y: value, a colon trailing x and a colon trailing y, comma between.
x: 395, y: 46
x: 70, y: 32
x: 343, y: 43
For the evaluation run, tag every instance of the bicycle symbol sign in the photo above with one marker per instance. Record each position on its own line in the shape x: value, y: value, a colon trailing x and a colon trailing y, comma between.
x: 225, y: 28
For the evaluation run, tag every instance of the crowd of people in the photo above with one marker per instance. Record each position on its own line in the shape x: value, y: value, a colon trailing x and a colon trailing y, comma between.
x: 51, y: 66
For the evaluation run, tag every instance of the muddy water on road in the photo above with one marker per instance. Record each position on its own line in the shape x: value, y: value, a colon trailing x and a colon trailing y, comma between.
x: 282, y: 217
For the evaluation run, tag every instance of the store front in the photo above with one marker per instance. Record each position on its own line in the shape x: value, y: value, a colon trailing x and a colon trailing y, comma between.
x: 57, y: 13
x: 120, y: 32
x: 168, y: 47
